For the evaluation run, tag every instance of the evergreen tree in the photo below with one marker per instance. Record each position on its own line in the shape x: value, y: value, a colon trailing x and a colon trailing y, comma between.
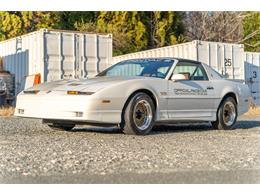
x: 251, y: 25
x: 132, y: 31
x: 14, y: 24
x: 128, y: 30
x: 72, y: 20
x: 164, y: 28
x: 10, y: 25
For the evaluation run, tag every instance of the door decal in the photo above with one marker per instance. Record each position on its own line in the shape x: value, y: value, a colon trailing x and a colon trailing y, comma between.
x: 190, y: 91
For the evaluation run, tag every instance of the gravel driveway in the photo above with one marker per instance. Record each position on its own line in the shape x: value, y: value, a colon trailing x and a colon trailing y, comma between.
x: 32, y: 153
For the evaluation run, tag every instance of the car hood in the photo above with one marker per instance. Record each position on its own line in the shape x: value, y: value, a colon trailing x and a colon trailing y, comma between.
x: 89, y: 85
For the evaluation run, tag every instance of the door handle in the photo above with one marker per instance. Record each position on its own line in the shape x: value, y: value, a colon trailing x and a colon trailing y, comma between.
x: 210, y: 88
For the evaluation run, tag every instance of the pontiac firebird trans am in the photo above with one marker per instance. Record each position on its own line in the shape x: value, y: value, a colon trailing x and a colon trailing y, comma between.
x: 137, y: 94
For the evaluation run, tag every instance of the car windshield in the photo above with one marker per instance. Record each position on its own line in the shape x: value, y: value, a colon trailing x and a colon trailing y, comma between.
x: 141, y: 67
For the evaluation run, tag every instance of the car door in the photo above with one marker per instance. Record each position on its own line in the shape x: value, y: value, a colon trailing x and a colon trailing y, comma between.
x: 192, y: 98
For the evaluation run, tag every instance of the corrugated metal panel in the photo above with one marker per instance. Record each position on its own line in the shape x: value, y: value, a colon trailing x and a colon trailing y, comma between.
x: 22, y: 56
x: 228, y: 59
x: 56, y: 55
x: 224, y: 57
x: 252, y: 74
x: 185, y: 50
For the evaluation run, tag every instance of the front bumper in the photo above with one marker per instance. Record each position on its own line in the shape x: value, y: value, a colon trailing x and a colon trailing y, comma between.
x: 79, y: 108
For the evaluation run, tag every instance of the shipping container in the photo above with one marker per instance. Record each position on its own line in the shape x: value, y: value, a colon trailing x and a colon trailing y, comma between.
x: 252, y: 74
x: 226, y: 58
x: 56, y: 54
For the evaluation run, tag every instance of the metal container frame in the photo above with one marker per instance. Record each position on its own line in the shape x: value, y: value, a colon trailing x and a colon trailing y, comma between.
x: 56, y: 54
x: 228, y: 59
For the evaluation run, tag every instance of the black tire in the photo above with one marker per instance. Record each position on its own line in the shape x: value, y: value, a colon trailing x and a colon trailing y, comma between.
x: 129, y: 124
x: 221, y: 122
x: 61, y: 127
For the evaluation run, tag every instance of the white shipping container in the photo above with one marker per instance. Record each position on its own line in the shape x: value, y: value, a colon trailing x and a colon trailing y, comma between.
x: 252, y: 74
x: 56, y: 55
x: 226, y: 58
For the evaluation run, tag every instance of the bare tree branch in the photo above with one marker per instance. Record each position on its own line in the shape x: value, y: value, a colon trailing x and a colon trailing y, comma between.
x: 214, y: 26
x: 254, y: 46
x: 257, y: 32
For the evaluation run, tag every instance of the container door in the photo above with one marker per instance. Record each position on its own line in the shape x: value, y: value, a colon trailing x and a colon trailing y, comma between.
x: 95, y: 53
x: 77, y: 56
x: 61, y: 56
x: 225, y: 58
x: 88, y: 58
x: 252, y: 74
x: 53, y: 56
x: 254, y: 83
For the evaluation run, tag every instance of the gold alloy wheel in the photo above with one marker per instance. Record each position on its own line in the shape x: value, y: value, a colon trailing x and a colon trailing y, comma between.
x: 229, y: 114
x: 142, y: 114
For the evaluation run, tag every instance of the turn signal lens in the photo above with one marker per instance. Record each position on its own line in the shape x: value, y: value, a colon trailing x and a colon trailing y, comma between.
x: 72, y: 92
x: 106, y: 101
x: 79, y: 93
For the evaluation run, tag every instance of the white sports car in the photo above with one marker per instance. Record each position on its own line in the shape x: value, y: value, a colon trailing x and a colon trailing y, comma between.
x: 136, y: 94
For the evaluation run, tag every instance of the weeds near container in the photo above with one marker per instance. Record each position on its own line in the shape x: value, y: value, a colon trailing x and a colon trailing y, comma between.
x: 254, y: 110
x: 7, y: 111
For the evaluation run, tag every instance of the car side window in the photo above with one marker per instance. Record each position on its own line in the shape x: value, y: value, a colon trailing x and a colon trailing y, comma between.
x: 191, y: 71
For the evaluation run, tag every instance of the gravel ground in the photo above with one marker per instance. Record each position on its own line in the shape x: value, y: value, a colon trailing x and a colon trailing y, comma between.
x: 33, y: 153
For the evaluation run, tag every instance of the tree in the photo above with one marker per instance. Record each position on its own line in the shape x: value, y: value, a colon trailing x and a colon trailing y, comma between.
x: 251, y: 26
x: 10, y: 25
x: 135, y: 31
x: 164, y: 28
x: 132, y: 31
x: 73, y: 20
x: 214, y: 26
x: 129, y: 32
x: 18, y: 23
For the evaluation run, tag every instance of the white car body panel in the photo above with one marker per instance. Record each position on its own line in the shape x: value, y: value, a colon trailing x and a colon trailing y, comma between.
x: 110, y: 95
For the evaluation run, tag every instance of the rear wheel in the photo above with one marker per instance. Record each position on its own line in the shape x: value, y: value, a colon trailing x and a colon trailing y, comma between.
x: 139, y: 115
x: 61, y: 127
x: 227, y: 115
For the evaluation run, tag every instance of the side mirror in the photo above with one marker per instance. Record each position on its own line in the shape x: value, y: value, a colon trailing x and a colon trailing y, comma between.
x: 178, y: 77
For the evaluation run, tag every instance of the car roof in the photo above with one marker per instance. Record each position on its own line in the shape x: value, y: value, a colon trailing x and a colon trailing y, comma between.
x: 167, y: 58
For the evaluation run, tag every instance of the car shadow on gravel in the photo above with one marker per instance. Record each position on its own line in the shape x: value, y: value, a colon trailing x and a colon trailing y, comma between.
x: 244, y: 124
x: 174, y: 128
x: 247, y: 124
x: 156, y: 130
x: 106, y: 130
x: 179, y: 128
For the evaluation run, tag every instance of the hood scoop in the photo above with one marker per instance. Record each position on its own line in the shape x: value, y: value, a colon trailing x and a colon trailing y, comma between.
x: 74, y: 84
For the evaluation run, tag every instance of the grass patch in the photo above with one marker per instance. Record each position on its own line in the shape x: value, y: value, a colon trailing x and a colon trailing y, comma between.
x: 7, y: 111
x: 253, y: 111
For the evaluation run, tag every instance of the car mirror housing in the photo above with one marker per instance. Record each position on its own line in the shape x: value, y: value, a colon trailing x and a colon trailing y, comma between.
x: 178, y: 77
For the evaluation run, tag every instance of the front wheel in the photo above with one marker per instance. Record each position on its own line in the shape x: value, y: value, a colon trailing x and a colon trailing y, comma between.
x: 227, y: 115
x: 61, y: 127
x: 139, y: 115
